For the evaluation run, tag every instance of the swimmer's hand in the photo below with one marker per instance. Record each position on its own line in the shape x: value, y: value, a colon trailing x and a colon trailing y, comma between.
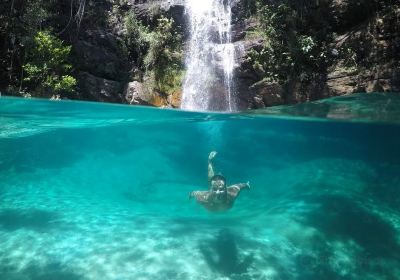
x: 212, y: 155
x: 248, y: 184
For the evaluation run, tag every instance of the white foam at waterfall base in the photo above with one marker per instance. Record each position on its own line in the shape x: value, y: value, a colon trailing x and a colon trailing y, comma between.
x: 210, y: 57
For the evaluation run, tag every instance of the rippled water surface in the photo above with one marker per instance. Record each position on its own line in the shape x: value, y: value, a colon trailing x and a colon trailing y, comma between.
x: 95, y: 191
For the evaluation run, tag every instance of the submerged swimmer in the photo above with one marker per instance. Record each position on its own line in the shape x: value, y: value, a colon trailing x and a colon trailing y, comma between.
x: 219, y: 197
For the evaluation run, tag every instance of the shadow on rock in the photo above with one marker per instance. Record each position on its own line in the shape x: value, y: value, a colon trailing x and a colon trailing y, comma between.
x: 343, y: 218
x: 223, y: 256
x: 33, y: 219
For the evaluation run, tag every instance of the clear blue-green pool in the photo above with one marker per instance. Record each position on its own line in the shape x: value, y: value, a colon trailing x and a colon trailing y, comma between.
x: 96, y: 191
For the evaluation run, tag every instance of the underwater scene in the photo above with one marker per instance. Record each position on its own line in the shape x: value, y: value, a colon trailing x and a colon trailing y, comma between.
x: 100, y: 191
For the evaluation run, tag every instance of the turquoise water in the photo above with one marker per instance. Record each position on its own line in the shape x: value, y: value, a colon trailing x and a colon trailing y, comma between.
x: 96, y: 191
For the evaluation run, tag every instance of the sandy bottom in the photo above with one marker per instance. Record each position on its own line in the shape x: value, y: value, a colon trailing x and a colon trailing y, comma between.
x: 53, y: 228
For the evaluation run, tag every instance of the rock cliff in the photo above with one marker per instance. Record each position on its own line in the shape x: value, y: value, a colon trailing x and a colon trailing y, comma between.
x: 368, y: 31
x: 342, y: 46
x: 105, y: 70
x: 363, y: 45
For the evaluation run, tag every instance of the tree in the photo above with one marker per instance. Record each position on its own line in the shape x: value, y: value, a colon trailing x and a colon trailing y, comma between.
x: 47, y: 69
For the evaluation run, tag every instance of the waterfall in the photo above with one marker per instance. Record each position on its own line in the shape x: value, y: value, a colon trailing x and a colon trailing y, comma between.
x: 208, y: 84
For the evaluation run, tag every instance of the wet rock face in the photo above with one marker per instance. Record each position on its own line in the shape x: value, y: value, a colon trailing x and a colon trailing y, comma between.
x: 265, y: 94
x: 148, y: 10
x: 135, y: 94
x: 99, y: 52
x: 376, y: 48
x: 99, y: 89
x: 349, y: 13
x: 98, y: 56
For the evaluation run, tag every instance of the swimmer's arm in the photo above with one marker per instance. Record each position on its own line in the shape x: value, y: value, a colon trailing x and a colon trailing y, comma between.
x: 211, y: 172
x: 200, y: 196
x: 236, y: 188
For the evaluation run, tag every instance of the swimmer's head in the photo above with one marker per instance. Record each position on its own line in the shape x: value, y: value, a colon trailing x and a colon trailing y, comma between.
x: 218, y: 187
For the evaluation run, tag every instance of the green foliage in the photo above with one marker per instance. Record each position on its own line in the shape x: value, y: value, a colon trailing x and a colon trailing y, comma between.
x: 33, y: 17
x: 164, y: 55
x: 20, y: 50
x: 20, y: 20
x: 158, y: 52
x: 291, y: 47
x: 136, y: 38
x: 250, y: 6
x: 47, y: 68
x: 306, y: 44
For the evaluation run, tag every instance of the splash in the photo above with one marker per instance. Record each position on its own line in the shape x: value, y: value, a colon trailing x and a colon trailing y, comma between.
x: 208, y: 84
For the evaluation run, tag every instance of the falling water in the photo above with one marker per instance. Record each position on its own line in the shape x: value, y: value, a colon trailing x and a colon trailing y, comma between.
x: 210, y: 60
